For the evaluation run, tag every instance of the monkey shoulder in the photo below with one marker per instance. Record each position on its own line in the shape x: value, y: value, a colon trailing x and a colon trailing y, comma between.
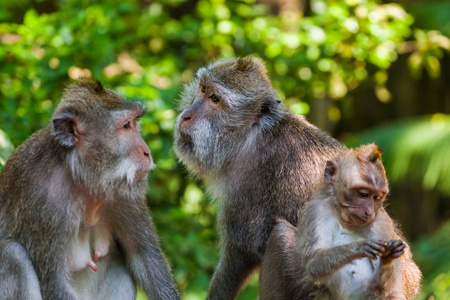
x: 311, y: 135
x: 385, y: 228
x: 38, y: 150
x: 319, y: 226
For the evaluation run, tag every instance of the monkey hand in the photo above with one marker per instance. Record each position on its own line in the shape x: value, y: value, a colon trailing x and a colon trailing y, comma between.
x: 372, y: 249
x: 394, y: 249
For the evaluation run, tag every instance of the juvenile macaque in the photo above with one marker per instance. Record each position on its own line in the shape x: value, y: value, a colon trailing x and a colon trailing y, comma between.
x: 346, y: 246
x: 256, y: 158
x: 72, y: 202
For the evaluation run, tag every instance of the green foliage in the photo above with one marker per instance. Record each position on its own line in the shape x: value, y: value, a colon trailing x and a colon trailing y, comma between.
x: 433, y: 256
x: 147, y: 50
x: 415, y: 150
x: 431, y: 14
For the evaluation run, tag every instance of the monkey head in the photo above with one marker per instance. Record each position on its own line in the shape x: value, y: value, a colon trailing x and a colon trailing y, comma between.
x: 224, y: 109
x: 359, y: 183
x: 98, y: 132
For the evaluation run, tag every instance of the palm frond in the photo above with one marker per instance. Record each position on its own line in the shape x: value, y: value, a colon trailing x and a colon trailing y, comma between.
x: 415, y: 150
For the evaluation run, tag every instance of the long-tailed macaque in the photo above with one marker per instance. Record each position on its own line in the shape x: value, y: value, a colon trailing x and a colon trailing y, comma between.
x: 346, y: 245
x: 256, y: 158
x: 73, y: 217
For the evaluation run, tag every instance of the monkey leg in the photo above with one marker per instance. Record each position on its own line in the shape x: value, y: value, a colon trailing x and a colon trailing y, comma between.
x: 118, y: 283
x: 280, y: 275
x: 234, y: 269
x: 18, y: 279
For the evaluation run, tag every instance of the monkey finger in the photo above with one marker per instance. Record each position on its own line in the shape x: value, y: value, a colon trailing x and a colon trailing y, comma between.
x: 398, y: 248
x: 396, y: 254
x: 371, y: 253
x: 371, y: 256
x: 389, y: 244
x: 396, y: 243
x: 375, y: 246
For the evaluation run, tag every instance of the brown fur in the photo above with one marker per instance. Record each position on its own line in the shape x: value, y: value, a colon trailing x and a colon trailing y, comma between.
x: 335, y: 242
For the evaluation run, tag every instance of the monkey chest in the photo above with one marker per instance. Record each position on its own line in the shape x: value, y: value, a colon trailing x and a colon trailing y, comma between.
x: 87, y: 246
x: 353, y: 280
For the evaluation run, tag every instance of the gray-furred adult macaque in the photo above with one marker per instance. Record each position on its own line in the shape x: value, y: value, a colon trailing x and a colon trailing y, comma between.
x: 346, y: 245
x: 72, y: 202
x: 258, y: 159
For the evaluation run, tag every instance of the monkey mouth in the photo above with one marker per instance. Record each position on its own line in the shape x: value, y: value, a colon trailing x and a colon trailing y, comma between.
x: 361, y: 221
x: 185, y: 137
x: 141, y: 174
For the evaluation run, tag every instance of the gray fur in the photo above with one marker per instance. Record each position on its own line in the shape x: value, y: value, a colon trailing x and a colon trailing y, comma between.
x: 256, y: 158
x: 50, y: 189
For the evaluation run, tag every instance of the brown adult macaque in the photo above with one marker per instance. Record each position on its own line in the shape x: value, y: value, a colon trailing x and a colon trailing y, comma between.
x: 346, y: 245
x: 259, y: 160
x: 74, y: 223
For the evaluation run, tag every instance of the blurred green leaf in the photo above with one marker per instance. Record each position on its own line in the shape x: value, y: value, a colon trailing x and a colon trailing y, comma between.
x: 6, y: 148
x: 414, y: 150
x: 433, y: 257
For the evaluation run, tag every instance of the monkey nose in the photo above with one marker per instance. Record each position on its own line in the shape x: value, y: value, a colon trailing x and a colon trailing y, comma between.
x: 369, y: 213
x: 185, y: 123
x: 184, y: 128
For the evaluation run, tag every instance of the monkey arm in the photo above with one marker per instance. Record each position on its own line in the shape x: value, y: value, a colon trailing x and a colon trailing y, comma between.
x: 398, y: 275
x: 390, y: 281
x: 324, y: 262
x: 18, y: 279
x: 144, y: 257
x: 320, y: 256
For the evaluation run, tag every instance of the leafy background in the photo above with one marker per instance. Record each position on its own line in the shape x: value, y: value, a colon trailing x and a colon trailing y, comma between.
x: 362, y: 70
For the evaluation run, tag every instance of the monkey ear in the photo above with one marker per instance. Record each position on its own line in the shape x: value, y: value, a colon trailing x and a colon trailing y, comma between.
x: 330, y: 171
x: 66, y: 129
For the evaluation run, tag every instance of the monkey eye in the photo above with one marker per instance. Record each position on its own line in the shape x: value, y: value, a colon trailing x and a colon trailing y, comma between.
x: 214, y: 98
x: 203, y: 89
x: 377, y: 198
x: 363, y: 194
x: 127, y: 125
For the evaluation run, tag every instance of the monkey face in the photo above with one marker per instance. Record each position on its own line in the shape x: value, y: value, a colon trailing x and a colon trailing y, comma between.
x: 131, y: 150
x: 227, y: 105
x: 360, y: 204
x: 100, y: 131
x: 359, y: 184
